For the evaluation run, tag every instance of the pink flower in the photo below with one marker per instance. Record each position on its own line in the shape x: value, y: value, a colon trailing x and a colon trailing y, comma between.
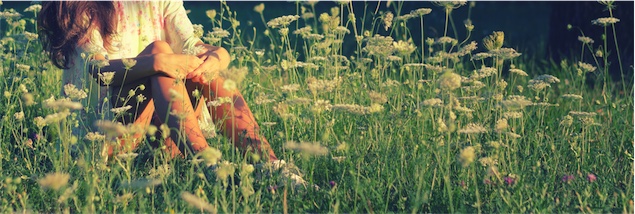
x: 567, y: 178
x: 509, y: 180
x: 591, y: 177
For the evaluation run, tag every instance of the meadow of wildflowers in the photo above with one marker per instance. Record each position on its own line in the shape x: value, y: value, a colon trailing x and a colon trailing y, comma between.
x: 447, y: 124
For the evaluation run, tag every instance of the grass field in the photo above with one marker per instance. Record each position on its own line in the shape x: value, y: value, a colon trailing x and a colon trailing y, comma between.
x: 447, y: 124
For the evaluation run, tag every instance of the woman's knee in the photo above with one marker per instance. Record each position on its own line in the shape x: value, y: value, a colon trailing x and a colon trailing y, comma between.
x: 159, y: 46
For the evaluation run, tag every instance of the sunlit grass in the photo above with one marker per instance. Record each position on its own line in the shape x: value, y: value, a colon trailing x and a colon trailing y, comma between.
x: 448, y: 125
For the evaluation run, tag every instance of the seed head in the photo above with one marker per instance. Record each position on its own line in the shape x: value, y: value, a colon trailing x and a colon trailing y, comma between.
x: 449, y: 81
x: 259, y: 8
x: 494, y: 41
x: 388, y: 20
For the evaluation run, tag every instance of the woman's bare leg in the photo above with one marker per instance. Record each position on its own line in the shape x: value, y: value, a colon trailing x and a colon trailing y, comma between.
x: 238, y: 122
x: 176, y: 111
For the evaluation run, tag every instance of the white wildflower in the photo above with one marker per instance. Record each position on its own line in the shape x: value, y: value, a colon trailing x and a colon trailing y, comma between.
x: 421, y: 11
x: 307, y: 148
x: 481, y: 56
x: 501, y: 125
x: 127, y: 156
x: 321, y: 105
x: 513, y: 135
x: 64, y: 103
x: 547, y: 78
x: 467, y: 156
x: 94, y: 136
x: 129, y: 63
x: 434, y: 102
x: 585, y: 40
x: 513, y: 114
x: 99, y: 63
x: 282, y: 21
x: 30, y: 36
x: 449, y: 81
x: 211, y: 156
x: 54, y: 181
x: 446, y: 40
x: 605, y: 21
x: 505, y: 53
x: 488, y: 161
x: 586, y: 67
x: 35, y: 8
x: 303, y: 31
x: 404, y: 48
x: 290, y: 88
x: 467, y: 49
x: 572, y: 96
x: 19, y: 116
x: 22, y: 67
x: 72, y: 92
x: 518, y: 72
x: 121, y: 110
x: 483, y: 72
x: 341, y: 30
x: 582, y: 114
x: 106, y: 77
x: 567, y: 121
x: 472, y: 128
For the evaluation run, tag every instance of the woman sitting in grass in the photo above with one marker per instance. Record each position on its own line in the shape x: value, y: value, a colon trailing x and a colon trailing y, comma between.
x: 150, y: 48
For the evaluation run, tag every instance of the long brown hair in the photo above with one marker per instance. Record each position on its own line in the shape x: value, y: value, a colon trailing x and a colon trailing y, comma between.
x: 62, y: 26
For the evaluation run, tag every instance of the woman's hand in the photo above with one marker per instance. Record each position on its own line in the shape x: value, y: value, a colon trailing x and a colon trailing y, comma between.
x: 214, y: 60
x: 176, y: 65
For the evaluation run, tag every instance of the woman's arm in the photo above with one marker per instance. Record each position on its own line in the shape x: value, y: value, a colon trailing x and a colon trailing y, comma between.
x: 173, y: 65
x: 215, y: 59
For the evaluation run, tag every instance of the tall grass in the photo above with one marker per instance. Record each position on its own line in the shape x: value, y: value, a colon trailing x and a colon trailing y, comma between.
x: 448, y: 125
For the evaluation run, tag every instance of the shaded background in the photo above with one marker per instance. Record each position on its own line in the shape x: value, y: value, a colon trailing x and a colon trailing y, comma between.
x: 536, y: 29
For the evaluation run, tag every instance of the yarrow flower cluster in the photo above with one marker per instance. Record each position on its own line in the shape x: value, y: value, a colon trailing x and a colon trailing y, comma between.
x: 586, y: 67
x: 541, y: 82
x: 605, y: 21
x: 72, y: 92
x: 467, y: 155
x: 282, y: 21
x: 585, y: 40
x: 35, y: 8
x: 434, y: 102
x: 54, y: 181
x: 307, y: 148
x: 473, y: 128
x: 11, y: 14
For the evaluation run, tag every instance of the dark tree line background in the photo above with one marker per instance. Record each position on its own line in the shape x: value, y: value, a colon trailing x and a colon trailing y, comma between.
x: 536, y: 29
